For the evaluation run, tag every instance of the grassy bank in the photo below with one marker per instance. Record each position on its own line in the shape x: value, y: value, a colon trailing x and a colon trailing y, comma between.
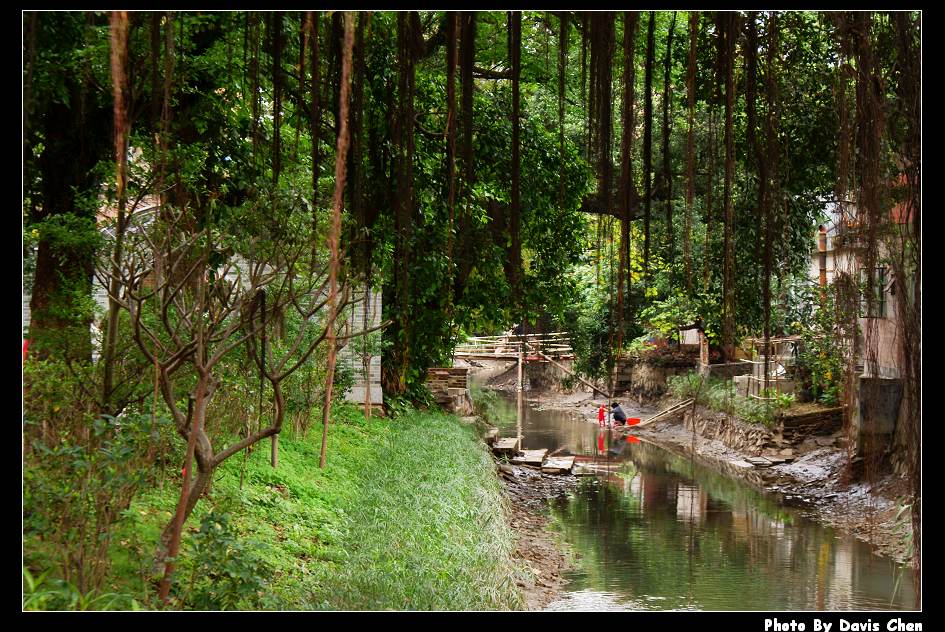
x: 407, y: 515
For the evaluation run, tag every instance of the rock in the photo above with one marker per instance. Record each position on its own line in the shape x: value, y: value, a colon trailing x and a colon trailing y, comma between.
x: 787, y: 452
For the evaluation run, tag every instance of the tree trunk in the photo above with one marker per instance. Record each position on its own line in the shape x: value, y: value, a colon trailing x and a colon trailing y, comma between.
x: 277, y: 100
x: 648, y: 144
x: 398, y: 359
x: 74, y: 140
x: 335, y: 233
x: 467, y: 59
x: 626, y: 169
x: 119, y: 63
x: 728, y: 278
x: 667, y: 173
x: 452, y: 32
x: 515, y: 256
x: 563, y: 28
x: 690, y: 145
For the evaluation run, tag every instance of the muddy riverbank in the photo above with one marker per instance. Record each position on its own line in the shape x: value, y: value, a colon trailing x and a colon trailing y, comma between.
x: 813, y: 482
x: 816, y: 481
x: 544, y: 557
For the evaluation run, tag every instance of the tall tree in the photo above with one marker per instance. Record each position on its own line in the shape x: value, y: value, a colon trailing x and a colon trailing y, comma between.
x: 667, y: 173
x: 335, y: 231
x: 277, y: 44
x: 768, y: 164
x: 515, y: 256
x: 395, y: 375
x: 563, y: 28
x: 69, y: 126
x: 452, y: 33
x: 728, y: 275
x: 751, y: 79
x: 467, y: 61
x: 907, y: 270
x: 119, y: 64
x: 627, y: 188
x: 690, y: 144
x: 314, y: 120
x: 648, y: 143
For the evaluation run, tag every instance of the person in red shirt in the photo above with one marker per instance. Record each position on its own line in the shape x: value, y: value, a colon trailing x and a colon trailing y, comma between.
x: 601, y: 415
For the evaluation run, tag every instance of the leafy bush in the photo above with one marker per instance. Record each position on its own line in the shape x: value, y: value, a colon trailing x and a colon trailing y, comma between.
x: 226, y: 571
x: 719, y: 394
x: 685, y: 385
x: 81, y: 472
x: 820, y: 363
x: 43, y: 593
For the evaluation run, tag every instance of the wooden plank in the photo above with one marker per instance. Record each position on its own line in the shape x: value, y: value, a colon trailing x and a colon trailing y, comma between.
x: 505, y: 446
x: 573, y: 374
x: 558, y: 464
x: 675, y: 408
x: 530, y: 457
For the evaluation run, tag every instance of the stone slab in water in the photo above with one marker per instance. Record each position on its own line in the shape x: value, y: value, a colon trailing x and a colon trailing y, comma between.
x: 505, y: 446
x: 531, y: 457
x: 558, y: 464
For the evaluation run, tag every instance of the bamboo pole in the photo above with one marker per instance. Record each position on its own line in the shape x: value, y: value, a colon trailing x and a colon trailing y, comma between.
x: 576, y: 376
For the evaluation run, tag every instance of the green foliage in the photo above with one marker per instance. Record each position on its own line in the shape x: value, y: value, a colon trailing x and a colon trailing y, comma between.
x: 81, y: 472
x: 227, y: 572
x: 396, y: 520
x: 487, y: 403
x: 667, y: 315
x: 719, y: 394
x: 44, y: 593
x: 684, y: 385
x: 820, y: 362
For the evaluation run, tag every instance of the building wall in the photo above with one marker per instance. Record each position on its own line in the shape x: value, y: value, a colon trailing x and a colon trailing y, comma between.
x: 351, y: 355
x: 882, y: 332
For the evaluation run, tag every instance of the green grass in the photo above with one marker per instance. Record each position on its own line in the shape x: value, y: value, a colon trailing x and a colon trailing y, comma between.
x: 406, y: 515
x: 719, y: 394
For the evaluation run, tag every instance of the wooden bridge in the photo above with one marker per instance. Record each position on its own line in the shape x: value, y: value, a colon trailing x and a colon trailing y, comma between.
x: 530, y: 347
x: 550, y: 347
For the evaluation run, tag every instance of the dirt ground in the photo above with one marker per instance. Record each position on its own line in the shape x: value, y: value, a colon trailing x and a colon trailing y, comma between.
x: 814, y: 483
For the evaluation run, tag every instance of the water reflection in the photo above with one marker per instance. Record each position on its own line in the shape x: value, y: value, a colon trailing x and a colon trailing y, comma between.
x: 657, y: 531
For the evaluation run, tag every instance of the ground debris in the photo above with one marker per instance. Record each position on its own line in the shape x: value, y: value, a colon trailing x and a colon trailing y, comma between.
x: 528, y: 492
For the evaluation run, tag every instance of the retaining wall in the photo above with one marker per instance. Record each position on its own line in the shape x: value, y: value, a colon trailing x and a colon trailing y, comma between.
x: 645, y: 380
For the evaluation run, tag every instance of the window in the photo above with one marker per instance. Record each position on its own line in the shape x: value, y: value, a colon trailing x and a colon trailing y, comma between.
x: 877, y: 307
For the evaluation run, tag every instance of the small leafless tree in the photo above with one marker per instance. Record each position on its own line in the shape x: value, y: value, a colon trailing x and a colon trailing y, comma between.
x: 194, y: 295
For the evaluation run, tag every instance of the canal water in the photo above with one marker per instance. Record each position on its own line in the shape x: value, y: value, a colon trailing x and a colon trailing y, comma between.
x: 656, y: 531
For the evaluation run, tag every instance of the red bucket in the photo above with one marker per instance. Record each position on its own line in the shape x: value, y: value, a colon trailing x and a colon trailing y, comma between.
x: 633, y: 421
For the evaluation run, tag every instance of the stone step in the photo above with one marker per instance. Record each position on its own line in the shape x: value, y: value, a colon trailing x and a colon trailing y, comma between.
x: 530, y: 457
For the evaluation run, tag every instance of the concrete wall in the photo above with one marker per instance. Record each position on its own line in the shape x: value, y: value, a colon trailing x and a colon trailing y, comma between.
x: 726, y: 370
x: 644, y: 380
x: 547, y: 376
